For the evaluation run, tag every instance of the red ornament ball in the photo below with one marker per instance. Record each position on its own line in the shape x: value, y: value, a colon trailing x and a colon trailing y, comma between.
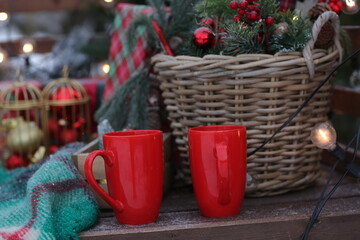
x: 208, y: 22
x: 68, y: 136
x: 243, y: 4
x: 15, y: 161
x: 53, y: 127
x: 269, y: 21
x: 64, y: 94
x: 53, y: 149
x: 234, y: 5
x: 204, y: 38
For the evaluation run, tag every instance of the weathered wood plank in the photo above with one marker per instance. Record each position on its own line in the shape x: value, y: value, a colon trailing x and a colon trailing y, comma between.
x: 281, y: 217
x: 278, y: 221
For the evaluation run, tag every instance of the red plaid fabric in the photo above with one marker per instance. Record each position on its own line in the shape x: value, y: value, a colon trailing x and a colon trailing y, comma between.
x: 124, y: 62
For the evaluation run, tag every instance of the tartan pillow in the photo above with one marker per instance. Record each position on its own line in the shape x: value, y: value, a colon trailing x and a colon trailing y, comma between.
x: 123, y: 61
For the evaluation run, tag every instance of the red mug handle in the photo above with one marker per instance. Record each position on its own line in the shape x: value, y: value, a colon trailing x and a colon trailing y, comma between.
x: 108, y: 157
x: 222, y: 166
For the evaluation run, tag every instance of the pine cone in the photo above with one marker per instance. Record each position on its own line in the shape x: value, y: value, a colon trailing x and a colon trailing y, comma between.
x: 281, y: 28
x: 326, y: 36
x: 317, y: 10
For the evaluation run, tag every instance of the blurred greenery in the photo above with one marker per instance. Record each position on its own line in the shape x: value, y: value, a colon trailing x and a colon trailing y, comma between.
x: 346, y: 125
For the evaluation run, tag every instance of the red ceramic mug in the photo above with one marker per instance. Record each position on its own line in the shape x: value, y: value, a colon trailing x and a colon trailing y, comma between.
x: 218, y: 168
x: 134, y: 168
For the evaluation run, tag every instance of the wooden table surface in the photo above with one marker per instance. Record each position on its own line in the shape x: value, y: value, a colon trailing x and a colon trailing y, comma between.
x: 279, y: 217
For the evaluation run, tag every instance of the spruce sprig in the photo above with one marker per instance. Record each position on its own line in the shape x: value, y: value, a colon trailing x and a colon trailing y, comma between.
x: 297, y: 36
x: 215, y: 8
x: 242, y: 39
x: 128, y: 106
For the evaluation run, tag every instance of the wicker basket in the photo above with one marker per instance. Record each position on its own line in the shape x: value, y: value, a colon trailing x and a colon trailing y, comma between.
x: 258, y: 91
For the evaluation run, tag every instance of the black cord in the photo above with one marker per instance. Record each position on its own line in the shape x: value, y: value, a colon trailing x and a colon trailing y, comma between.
x: 322, y: 201
x: 306, y: 101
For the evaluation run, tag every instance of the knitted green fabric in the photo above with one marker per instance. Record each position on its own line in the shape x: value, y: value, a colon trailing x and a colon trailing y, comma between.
x: 49, y: 200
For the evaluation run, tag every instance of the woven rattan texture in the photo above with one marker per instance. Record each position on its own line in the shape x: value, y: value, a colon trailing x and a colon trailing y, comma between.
x: 258, y: 91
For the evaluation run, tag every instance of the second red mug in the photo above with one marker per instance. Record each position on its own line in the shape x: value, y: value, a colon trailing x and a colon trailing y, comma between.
x: 218, y: 168
x: 134, y: 168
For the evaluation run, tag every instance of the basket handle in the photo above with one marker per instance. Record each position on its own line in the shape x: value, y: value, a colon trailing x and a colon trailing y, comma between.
x: 222, y: 167
x: 319, y: 23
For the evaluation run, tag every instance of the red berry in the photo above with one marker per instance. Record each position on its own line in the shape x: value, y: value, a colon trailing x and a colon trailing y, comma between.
x: 207, y: 22
x: 234, y: 5
x: 241, y: 11
x: 320, y: 1
x: 332, y: 1
x: 237, y: 18
x: 340, y: 4
x: 252, y: 16
x: 254, y: 8
x: 335, y: 8
x: 260, y: 39
x: 269, y: 21
x: 243, y: 4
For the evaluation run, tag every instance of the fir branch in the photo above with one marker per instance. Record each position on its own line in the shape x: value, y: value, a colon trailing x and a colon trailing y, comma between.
x: 138, y: 115
x: 215, y: 9
x: 159, y: 12
x: 269, y: 8
x: 182, y: 18
x: 126, y: 107
x: 298, y: 35
x: 141, y: 25
x: 241, y: 39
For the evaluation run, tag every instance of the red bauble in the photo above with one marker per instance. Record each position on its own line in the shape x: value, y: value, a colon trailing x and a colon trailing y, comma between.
x: 79, y: 122
x: 204, y: 38
x: 53, y: 127
x: 234, y: 5
x: 243, y: 4
x: 269, y: 21
x: 15, y: 161
x: 64, y: 94
x: 53, y: 149
x: 208, y: 22
x: 68, y: 136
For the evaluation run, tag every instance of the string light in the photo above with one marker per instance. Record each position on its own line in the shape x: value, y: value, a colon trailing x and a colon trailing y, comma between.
x: 350, y: 7
x: 105, y: 68
x: 3, y: 56
x: 3, y: 16
x: 107, y: 3
x: 323, y: 136
x: 27, y: 47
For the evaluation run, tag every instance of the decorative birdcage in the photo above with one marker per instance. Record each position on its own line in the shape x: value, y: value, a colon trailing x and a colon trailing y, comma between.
x: 67, y: 111
x: 22, y: 123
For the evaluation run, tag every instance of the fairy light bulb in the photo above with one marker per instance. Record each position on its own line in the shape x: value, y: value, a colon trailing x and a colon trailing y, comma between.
x: 107, y: 3
x: 3, y: 56
x: 105, y: 68
x: 350, y: 7
x: 27, y: 47
x: 323, y: 136
x: 3, y: 16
